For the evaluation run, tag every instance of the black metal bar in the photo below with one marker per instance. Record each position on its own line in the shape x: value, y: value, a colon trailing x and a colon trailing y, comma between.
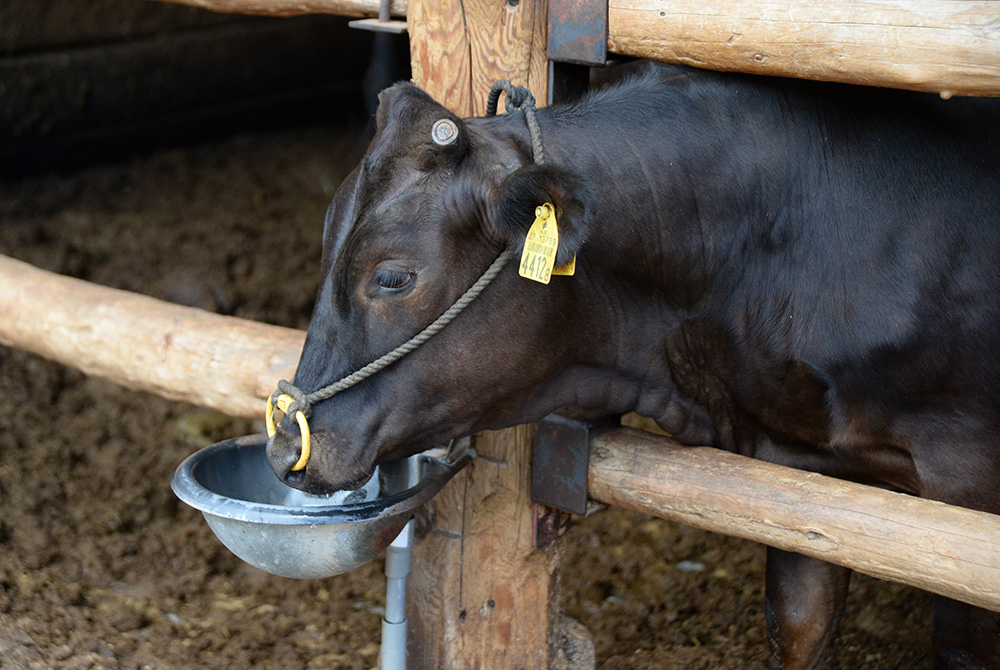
x: 578, y: 31
x: 561, y: 458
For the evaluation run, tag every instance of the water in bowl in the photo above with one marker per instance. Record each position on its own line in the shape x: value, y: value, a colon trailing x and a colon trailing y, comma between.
x: 370, y: 491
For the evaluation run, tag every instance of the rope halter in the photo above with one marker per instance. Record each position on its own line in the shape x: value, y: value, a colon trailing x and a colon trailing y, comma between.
x: 294, y: 402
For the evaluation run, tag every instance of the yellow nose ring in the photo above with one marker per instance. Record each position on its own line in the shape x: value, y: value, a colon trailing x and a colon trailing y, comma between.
x: 283, y: 402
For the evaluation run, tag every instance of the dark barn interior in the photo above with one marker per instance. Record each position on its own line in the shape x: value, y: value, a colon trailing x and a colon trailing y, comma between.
x: 100, y: 81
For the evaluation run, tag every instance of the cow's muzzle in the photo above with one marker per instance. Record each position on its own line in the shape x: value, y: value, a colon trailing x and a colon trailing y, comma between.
x: 285, y: 402
x: 330, y: 465
x: 284, y: 453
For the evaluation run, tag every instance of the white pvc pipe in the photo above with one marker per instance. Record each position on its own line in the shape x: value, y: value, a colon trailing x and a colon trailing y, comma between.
x: 392, y: 654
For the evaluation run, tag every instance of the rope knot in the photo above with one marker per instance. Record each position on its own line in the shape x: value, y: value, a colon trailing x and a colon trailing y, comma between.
x: 300, y: 401
x: 518, y: 97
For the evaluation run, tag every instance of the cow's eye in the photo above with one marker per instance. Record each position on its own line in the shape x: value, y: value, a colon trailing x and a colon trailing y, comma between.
x: 393, y: 280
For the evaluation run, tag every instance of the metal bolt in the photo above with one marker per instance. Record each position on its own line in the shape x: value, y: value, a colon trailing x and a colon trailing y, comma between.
x: 444, y: 132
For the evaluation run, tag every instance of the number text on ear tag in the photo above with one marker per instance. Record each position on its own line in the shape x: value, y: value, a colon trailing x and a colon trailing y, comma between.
x: 540, y: 246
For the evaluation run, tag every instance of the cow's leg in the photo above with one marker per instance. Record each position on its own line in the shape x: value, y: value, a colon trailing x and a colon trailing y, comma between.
x: 965, y: 637
x: 805, y: 600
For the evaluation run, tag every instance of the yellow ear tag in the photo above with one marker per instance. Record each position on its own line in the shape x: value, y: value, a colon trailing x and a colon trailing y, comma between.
x: 540, y: 246
x: 567, y: 269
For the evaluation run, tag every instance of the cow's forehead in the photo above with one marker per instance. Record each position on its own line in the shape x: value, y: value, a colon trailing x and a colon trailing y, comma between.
x: 401, y: 198
x: 392, y: 185
x: 366, y: 188
x: 403, y: 193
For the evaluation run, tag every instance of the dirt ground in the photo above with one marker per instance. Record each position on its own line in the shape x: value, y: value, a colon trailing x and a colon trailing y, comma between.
x: 101, y: 567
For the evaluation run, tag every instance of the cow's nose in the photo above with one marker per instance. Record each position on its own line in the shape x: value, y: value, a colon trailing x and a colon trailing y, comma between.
x: 283, y: 451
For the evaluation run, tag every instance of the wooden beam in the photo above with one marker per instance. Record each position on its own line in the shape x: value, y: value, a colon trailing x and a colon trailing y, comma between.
x: 458, y: 48
x: 480, y: 596
x: 177, y: 352
x: 923, y: 543
x: 361, y: 8
x: 950, y: 47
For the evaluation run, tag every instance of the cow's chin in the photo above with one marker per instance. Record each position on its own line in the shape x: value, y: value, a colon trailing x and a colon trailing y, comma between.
x: 308, y: 482
x: 329, y: 469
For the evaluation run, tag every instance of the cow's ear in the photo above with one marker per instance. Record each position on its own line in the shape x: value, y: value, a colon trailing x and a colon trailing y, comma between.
x: 410, y: 121
x: 533, y: 185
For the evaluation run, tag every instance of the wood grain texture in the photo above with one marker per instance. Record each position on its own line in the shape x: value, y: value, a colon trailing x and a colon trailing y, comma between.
x: 951, y: 47
x: 480, y: 596
x: 360, y: 8
x: 458, y: 48
x: 176, y: 352
x: 923, y: 543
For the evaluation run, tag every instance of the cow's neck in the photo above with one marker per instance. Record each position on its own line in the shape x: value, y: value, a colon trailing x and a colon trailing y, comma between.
x: 671, y: 221
x: 673, y: 205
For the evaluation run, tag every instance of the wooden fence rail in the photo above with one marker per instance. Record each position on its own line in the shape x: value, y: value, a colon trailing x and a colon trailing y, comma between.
x: 230, y: 364
x: 177, y: 352
x: 940, y: 46
x: 923, y: 543
x: 950, y: 47
x: 298, y: 7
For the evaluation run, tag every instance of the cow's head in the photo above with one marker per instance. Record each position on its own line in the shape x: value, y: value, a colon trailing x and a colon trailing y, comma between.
x: 406, y: 234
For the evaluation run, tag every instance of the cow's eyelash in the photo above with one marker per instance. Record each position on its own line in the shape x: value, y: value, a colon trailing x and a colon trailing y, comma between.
x: 393, y: 280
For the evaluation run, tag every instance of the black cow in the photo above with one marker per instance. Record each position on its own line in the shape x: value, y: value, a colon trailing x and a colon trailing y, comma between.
x: 803, y: 273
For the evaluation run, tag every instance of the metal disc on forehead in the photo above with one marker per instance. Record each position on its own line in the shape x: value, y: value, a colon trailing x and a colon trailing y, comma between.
x: 444, y: 132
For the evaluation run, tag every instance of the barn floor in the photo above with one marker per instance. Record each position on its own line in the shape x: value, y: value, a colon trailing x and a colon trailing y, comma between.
x: 101, y: 567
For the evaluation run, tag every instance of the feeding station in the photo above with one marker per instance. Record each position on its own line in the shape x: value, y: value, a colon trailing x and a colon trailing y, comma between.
x: 292, y: 534
x: 483, y: 590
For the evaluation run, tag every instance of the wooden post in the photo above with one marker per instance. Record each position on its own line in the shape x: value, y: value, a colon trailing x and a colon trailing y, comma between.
x: 480, y: 596
x: 458, y: 48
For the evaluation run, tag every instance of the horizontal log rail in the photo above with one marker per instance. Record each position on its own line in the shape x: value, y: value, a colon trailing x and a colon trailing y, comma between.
x: 180, y: 353
x: 949, y: 47
x: 940, y: 548
x: 231, y: 364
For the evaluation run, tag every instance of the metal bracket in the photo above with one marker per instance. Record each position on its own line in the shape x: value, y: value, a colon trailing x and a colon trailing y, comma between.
x: 383, y: 24
x: 377, y: 25
x: 578, y: 31
x: 561, y: 458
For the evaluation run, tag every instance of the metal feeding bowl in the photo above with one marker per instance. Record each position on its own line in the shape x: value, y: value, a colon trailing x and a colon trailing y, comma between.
x: 285, y: 532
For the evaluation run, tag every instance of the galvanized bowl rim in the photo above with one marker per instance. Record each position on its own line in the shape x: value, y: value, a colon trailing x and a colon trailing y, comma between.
x: 190, y: 491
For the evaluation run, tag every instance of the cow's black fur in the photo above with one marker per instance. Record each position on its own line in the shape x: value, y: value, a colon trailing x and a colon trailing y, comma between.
x: 804, y: 273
